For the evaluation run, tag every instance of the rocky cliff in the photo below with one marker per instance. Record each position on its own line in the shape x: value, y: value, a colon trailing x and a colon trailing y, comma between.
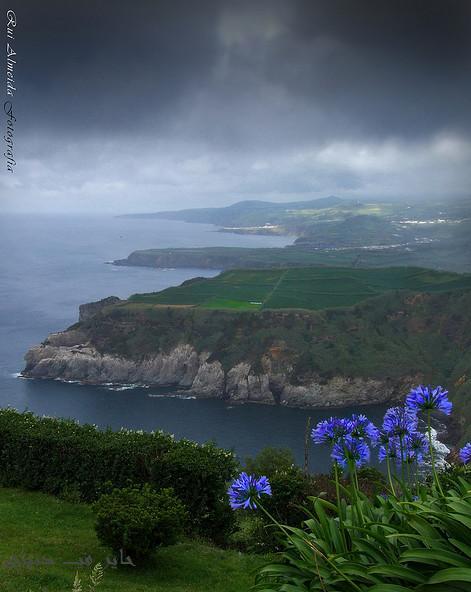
x: 369, y: 353
x: 70, y: 356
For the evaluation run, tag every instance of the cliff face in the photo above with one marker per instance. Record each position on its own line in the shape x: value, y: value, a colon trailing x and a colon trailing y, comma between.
x: 69, y: 356
x: 369, y: 353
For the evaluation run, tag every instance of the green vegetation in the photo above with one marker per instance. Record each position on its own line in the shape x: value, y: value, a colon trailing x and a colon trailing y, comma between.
x: 42, y: 527
x: 60, y: 456
x: 308, y: 288
x: 414, y: 536
x: 138, y: 520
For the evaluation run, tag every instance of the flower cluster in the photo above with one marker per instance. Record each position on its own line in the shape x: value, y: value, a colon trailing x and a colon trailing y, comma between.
x: 244, y: 490
x: 351, y: 438
x: 465, y: 453
x: 398, y: 439
x: 351, y: 451
x: 330, y: 431
x: 348, y: 437
x: 426, y: 398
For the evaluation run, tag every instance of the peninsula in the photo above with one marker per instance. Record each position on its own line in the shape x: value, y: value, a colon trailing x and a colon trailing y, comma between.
x: 298, y: 337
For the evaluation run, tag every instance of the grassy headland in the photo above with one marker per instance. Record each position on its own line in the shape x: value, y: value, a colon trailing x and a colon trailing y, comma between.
x: 379, y: 323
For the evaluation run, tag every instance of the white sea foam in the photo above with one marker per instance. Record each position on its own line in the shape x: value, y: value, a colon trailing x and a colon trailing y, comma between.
x: 170, y: 396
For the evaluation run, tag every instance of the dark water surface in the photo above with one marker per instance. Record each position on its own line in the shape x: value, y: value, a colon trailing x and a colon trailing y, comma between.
x: 51, y: 264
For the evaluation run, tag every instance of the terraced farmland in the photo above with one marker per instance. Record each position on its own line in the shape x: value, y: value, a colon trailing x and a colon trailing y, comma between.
x: 308, y: 288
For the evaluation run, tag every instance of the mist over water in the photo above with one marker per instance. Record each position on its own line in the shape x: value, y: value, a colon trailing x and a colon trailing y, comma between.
x: 52, y: 264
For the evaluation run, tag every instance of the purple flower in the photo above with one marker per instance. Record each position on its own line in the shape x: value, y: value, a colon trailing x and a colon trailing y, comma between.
x: 351, y: 451
x: 425, y: 398
x: 399, y: 421
x: 465, y: 453
x: 389, y: 450
x: 244, y: 490
x: 362, y: 427
x: 330, y: 431
x: 407, y: 449
x: 417, y: 443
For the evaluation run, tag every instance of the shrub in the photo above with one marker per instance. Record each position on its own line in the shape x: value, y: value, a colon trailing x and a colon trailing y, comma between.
x: 60, y: 456
x: 253, y: 534
x: 269, y: 461
x: 138, y: 520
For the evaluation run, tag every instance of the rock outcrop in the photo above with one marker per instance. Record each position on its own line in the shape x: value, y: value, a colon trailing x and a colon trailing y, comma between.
x: 89, y: 310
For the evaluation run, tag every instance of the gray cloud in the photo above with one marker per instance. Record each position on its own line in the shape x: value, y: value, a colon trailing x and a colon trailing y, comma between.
x: 137, y: 105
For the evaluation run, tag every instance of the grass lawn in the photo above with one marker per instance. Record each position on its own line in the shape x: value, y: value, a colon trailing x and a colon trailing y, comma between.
x: 43, y: 528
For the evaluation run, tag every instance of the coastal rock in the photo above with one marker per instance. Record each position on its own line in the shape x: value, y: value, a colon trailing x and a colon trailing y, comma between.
x: 338, y: 392
x: 209, y: 381
x: 242, y: 385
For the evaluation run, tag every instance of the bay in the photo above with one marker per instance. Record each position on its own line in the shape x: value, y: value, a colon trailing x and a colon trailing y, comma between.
x: 49, y: 265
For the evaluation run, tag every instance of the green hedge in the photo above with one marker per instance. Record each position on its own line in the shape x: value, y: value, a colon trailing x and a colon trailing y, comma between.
x: 57, y: 455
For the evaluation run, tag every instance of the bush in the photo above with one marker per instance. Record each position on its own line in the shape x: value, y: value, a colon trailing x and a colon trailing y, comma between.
x: 270, y: 461
x: 253, y: 535
x: 60, y: 456
x: 138, y: 520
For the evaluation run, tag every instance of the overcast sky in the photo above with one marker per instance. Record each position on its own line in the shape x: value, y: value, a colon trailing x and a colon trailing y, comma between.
x: 127, y: 106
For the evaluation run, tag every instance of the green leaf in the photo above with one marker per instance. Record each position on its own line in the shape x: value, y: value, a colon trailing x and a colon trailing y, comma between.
x: 432, y: 557
x: 398, y: 571
x: 463, y: 547
x: 388, y: 588
x: 462, y: 574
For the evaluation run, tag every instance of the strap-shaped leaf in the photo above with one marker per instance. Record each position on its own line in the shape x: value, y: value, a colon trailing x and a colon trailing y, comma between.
x: 388, y: 588
x: 398, y: 571
x: 432, y: 557
x: 451, y: 574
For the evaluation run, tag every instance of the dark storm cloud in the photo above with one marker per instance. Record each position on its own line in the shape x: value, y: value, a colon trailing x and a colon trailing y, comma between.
x: 113, y: 65
x: 144, y: 103
x: 394, y: 66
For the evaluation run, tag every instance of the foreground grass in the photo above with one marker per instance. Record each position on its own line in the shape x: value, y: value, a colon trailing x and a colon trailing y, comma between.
x: 35, y: 526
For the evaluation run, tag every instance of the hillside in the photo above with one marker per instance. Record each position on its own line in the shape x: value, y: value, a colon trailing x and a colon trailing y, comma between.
x: 329, y: 232
x: 248, y: 213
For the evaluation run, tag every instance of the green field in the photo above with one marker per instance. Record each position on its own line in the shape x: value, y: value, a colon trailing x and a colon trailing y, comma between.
x: 307, y: 288
x: 44, y: 529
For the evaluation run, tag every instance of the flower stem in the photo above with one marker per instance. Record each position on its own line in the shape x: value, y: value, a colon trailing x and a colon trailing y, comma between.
x: 339, y: 505
x: 388, y: 465
x: 432, y: 455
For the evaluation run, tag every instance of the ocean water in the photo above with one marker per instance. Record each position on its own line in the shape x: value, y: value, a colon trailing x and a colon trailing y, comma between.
x: 49, y: 265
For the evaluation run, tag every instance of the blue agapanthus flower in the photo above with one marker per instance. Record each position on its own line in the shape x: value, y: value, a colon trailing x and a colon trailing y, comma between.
x: 408, y: 449
x: 418, y: 444
x: 399, y: 421
x: 244, y: 490
x: 465, y: 453
x: 424, y: 398
x: 351, y: 451
x: 330, y: 430
x: 362, y: 427
x: 388, y: 451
